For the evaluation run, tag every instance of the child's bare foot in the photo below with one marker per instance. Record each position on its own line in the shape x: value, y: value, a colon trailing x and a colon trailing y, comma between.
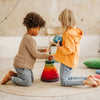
x: 91, y: 82
x: 95, y: 79
x: 8, y: 77
x: 90, y: 76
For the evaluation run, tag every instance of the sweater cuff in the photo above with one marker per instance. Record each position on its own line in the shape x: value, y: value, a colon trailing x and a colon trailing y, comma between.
x: 43, y: 56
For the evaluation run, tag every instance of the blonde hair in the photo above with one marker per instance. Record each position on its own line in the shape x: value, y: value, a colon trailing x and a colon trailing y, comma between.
x: 67, y: 18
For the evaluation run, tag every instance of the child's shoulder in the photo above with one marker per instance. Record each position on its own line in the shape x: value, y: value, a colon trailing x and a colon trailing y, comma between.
x: 74, y: 31
x: 28, y: 38
x: 78, y: 30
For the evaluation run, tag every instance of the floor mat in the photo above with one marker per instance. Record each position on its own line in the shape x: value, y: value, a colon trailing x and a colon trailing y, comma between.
x: 43, y: 89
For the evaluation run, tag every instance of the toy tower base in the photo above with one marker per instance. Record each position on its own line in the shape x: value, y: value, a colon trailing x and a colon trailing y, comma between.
x: 49, y: 73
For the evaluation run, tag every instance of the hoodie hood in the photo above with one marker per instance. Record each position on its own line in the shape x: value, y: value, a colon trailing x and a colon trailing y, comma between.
x: 76, y: 34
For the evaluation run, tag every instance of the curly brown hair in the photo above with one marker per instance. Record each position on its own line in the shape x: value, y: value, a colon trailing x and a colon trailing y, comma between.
x: 34, y: 20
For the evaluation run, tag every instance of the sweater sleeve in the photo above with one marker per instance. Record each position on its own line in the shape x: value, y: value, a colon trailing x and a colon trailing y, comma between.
x: 32, y: 48
x: 69, y: 46
x: 41, y: 50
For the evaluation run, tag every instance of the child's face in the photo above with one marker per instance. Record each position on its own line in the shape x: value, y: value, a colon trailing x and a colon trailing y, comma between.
x: 35, y: 31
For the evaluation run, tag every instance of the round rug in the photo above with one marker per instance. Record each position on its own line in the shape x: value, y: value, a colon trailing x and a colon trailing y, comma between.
x: 43, y: 89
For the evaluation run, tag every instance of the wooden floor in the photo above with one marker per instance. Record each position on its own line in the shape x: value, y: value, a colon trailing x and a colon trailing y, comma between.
x: 6, y: 63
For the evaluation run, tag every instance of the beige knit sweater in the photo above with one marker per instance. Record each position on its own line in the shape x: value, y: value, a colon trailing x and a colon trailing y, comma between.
x: 28, y: 53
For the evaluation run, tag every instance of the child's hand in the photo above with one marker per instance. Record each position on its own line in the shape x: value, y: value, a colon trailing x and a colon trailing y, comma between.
x: 57, y: 44
x: 46, y: 50
x: 51, y: 58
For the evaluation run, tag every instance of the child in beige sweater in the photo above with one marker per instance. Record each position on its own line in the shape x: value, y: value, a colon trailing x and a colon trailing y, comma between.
x: 28, y: 52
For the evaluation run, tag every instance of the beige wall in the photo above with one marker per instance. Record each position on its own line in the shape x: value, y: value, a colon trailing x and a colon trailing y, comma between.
x: 12, y: 13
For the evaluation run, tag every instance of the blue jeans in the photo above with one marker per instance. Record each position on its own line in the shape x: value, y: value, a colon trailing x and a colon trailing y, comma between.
x: 24, y: 77
x: 67, y: 80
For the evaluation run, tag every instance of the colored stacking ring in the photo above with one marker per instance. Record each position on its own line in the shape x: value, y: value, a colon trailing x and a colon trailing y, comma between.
x: 49, y: 62
x: 54, y: 80
x: 49, y: 65
x: 49, y: 73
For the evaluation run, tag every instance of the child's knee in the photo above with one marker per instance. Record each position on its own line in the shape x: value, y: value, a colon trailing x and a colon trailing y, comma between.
x: 65, y: 84
x: 27, y: 83
x: 62, y: 82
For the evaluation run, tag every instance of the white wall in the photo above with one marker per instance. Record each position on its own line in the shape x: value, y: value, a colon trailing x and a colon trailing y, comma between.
x: 9, y: 45
x: 89, y: 46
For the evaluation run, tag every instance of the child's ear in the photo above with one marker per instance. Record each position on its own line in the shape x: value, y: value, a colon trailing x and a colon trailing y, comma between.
x: 32, y: 29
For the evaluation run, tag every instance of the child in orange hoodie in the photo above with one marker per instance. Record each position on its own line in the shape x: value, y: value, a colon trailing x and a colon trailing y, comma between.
x: 68, y: 53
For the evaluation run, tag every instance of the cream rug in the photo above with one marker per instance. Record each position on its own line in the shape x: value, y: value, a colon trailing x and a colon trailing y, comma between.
x: 43, y: 89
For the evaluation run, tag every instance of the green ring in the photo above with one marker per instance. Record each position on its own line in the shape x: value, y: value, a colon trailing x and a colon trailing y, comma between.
x: 49, y: 64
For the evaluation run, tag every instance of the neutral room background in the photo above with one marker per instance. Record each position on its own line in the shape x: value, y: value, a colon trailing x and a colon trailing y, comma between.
x: 12, y: 13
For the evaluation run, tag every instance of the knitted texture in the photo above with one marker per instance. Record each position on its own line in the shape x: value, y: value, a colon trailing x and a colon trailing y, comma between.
x: 28, y: 53
x: 49, y: 73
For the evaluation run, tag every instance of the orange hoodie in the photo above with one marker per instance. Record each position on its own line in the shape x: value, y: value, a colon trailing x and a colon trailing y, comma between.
x: 68, y: 53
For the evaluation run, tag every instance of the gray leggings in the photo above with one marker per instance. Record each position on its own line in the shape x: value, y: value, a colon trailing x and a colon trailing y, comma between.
x: 24, y: 77
x: 67, y: 80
